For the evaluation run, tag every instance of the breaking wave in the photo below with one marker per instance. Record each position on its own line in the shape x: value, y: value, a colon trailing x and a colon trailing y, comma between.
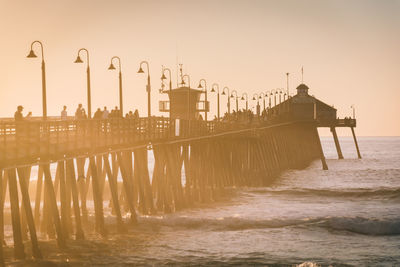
x: 358, y: 225
x: 389, y: 193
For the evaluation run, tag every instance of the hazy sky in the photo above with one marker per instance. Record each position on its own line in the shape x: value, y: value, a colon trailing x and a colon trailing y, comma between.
x: 350, y: 51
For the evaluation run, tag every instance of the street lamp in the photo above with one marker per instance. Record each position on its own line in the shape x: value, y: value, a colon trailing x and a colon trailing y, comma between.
x: 274, y: 92
x: 148, y: 87
x: 256, y: 97
x: 287, y: 83
x: 229, y: 99
x: 79, y: 60
x: 354, y: 111
x: 247, y: 100
x: 280, y: 94
x: 268, y: 94
x: 213, y: 91
x: 33, y: 55
x: 170, y: 86
x: 205, y: 96
x: 111, y: 67
x: 188, y: 95
x: 237, y: 102
x: 262, y: 96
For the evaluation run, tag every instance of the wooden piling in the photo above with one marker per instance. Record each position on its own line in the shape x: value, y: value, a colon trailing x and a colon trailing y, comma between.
x: 19, y: 252
x: 39, y: 185
x: 127, y: 188
x: 75, y: 199
x: 80, y: 164
x: 23, y: 175
x: 63, y: 199
x: 355, y: 142
x: 337, y: 144
x: 114, y: 193
x: 53, y: 205
x: 98, y: 198
x: 321, y: 152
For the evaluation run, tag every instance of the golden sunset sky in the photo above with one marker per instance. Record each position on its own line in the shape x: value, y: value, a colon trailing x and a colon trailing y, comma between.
x: 350, y: 51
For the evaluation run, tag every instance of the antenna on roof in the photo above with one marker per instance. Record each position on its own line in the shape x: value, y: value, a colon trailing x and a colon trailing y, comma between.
x: 302, y: 74
x: 181, y: 74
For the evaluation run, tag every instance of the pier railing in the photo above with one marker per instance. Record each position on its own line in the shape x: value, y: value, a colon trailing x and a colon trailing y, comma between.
x: 32, y: 140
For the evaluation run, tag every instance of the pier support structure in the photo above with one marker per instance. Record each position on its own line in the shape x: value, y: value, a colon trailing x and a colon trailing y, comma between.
x: 355, y: 142
x: 337, y: 144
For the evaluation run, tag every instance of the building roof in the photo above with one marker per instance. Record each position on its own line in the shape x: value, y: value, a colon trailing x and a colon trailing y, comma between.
x: 185, y: 90
x: 302, y: 86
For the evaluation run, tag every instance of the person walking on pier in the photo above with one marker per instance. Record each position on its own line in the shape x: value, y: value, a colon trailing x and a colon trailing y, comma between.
x: 105, y: 113
x: 64, y: 114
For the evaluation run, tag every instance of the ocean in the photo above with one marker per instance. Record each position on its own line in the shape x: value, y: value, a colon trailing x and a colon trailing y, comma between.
x: 346, y: 216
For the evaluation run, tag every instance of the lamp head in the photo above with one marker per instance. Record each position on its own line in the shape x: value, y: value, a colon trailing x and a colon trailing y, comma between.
x: 31, y: 54
x: 199, y: 86
x: 254, y: 98
x: 223, y: 93
x: 212, y: 90
x: 111, y: 67
x: 242, y: 98
x: 259, y: 97
x: 232, y: 96
x: 140, y: 70
x: 163, y: 77
x: 78, y: 60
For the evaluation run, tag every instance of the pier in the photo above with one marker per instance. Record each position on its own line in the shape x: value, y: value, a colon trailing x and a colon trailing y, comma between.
x: 195, y: 161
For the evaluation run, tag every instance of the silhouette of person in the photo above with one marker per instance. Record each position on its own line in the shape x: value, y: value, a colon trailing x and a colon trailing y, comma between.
x: 18, y: 114
x: 105, y: 113
x: 79, y: 113
x: 64, y: 113
x: 98, y: 114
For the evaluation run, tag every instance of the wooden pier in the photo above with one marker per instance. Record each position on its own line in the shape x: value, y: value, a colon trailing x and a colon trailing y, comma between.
x: 90, y: 155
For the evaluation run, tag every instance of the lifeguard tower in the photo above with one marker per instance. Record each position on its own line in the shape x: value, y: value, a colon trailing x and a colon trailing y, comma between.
x: 184, y: 103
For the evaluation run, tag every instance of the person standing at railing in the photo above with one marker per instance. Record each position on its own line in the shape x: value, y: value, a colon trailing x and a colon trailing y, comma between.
x: 98, y: 114
x: 136, y: 114
x: 18, y: 114
x: 21, y: 128
x: 105, y: 113
x: 64, y: 114
x: 79, y: 112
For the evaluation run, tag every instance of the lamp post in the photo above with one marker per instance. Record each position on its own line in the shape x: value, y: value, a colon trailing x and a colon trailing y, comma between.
x: 287, y: 83
x: 170, y: 86
x: 79, y: 60
x: 247, y: 100
x: 213, y: 91
x: 112, y: 67
x: 280, y: 94
x: 271, y: 93
x: 274, y: 92
x: 256, y: 97
x: 229, y: 100
x: 354, y: 111
x: 33, y: 55
x: 205, y: 96
x: 237, y: 101
x: 268, y: 94
x: 262, y: 96
x: 148, y: 87
x: 188, y: 94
